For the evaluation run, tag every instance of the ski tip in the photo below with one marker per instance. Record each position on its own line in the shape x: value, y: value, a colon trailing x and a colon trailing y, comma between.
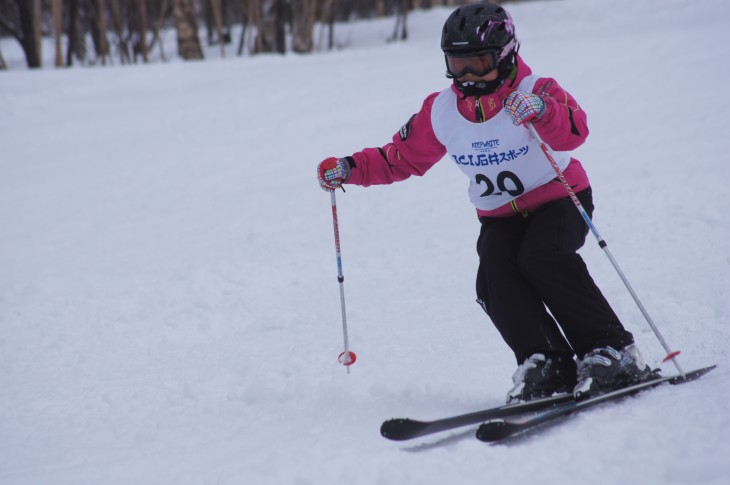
x: 496, y: 430
x: 400, y: 429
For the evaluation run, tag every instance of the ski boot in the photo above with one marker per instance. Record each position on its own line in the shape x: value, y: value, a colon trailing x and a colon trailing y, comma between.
x: 606, y: 369
x: 543, y: 375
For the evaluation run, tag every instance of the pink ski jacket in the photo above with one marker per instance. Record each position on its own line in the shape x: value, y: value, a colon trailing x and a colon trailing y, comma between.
x: 415, y: 148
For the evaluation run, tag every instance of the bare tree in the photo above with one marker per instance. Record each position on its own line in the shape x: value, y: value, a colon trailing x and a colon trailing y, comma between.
x: 218, y: 17
x: 103, y: 43
x: 186, y: 19
x: 37, y: 30
x: 116, y: 19
x: 22, y: 20
x: 400, y: 32
x: 327, y: 16
x: 137, y: 27
x: 267, y: 25
x: 142, y: 30
x: 264, y: 26
x: 245, y: 19
x: 93, y: 12
x: 273, y: 15
x: 164, y: 8
x: 303, y: 25
x: 282, y: 16
x: 76, y: 45
x: 57, y: 12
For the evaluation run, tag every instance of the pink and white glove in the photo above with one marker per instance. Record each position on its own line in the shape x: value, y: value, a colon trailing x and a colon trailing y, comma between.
x: 332, y: 173
x: 522, y: 107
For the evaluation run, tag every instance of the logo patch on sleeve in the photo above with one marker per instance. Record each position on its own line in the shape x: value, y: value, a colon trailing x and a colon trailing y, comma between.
x: 405, y: 130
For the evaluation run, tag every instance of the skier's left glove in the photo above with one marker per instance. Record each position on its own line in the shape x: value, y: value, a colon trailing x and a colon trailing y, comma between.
x: 522, y: 107
x: 332, y: 173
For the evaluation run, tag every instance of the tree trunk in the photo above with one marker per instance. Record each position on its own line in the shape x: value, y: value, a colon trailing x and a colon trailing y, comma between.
x: 137, y: 24
x: 303, y: 25
x: 271, y: 27
x: 245, y: 14
x: 117, y: 24
x: 28, y: 33
x: 404, y: 32
x: 218, y: 18
x: 57, y: 9
x: 280, y: 13
x: 188, y: 43
x: 103, y: 45
x: 37, y: 30
x: 94, y: 13
x: 254, y: 43
x: 401, y: 21
x: 164, y: 6
x: 143, y: 30
x: 73, y: 37
x: 265, y: 27
x: 327, y: 16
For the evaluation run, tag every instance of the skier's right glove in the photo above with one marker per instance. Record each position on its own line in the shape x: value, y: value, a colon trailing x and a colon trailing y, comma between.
x: 522, y: 107
x: 332, y: 173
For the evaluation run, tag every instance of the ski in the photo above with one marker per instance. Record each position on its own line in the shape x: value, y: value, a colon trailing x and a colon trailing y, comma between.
x: 497, y: 429
x: 401, y: 429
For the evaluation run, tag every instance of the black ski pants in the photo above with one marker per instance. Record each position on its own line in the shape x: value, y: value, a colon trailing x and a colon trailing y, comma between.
x: 528, y: 264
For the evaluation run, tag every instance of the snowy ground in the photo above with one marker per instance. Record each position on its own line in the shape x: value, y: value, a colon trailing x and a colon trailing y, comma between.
x: 169, y: 312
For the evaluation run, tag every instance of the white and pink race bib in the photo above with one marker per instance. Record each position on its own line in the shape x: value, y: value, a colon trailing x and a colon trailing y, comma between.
x: 502, y: 161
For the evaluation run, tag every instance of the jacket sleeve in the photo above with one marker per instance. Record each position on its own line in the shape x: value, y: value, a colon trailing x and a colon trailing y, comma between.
x: 564, y: 125
x: 413, y: 151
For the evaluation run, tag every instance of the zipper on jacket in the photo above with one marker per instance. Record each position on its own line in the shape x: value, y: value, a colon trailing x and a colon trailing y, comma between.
x: 479, y: 110
x: 516, y: 209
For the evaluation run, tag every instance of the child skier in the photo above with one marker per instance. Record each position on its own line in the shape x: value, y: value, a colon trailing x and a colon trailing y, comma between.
x: 530, y: 229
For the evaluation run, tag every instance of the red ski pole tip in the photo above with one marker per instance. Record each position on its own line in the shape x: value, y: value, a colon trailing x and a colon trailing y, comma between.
x: 671, y: 355
x: 347, y: 358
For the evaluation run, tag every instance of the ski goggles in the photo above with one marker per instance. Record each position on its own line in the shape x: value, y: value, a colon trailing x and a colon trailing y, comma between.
x: 476, y: 63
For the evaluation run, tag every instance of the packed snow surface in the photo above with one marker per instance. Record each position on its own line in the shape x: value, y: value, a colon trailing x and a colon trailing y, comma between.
x: 169, y: 308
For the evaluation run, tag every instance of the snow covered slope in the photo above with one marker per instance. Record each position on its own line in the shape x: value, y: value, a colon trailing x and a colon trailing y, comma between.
x: 169, y: 312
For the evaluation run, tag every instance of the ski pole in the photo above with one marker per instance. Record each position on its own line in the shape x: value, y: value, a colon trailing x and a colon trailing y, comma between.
x: 346, y: 358
x: 671, y: 355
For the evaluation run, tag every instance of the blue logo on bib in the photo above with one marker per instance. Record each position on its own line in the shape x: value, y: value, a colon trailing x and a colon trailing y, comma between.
x: 494, y: 158
x: 485, y: 146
